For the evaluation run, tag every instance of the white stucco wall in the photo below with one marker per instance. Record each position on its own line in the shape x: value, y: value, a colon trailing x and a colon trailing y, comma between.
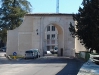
x: 27, y: 38
x: 24, y: 43
x: 12, y: 41
x: 78, y: 46
x: 69, y: 40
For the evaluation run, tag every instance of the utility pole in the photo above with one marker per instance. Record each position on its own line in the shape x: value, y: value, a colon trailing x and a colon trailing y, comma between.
x: 57, y: 6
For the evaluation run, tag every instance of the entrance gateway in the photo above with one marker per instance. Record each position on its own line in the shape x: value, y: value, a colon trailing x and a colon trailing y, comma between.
x: 43, y: 32
x: 53, y: 37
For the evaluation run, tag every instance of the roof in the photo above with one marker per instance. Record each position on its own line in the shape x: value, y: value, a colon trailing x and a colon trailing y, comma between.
x: 49, y: 14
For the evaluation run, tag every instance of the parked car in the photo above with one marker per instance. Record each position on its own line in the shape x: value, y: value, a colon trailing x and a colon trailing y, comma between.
x: 29, y: 54
x: 3, y: 49
x: 48, y: 52
x: 36, y: 53
x: 32, y: 53
x: 54, y: 51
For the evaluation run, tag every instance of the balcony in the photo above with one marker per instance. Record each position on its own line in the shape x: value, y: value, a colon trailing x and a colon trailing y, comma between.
x: 51, y: 42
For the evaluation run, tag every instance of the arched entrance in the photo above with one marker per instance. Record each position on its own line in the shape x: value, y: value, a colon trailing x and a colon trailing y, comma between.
x: 53, y: 38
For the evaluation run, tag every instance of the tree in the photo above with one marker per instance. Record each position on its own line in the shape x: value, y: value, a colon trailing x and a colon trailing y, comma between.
x: 3, y: 34
x: 12, y: 13
x: 87, y: 27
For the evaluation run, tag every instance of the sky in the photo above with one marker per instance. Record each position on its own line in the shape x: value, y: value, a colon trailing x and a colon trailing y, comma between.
x: 49, y: 6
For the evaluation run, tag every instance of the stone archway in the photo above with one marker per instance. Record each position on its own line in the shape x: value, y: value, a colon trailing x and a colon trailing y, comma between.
x: 59, y: 35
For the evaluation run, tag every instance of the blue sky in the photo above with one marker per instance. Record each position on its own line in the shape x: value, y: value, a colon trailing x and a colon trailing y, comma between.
x: 49, y: 6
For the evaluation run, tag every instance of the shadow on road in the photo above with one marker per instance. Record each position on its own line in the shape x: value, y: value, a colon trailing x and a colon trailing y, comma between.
x: 72, y: 68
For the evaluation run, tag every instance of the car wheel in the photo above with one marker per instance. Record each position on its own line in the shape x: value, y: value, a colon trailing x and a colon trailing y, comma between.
x: 39, y: 56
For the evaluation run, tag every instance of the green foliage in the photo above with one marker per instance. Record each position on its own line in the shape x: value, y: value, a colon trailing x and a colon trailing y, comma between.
x: 72, y: 30
x: 87, y: 27
x: 12, y: 13
x: 3, y: 34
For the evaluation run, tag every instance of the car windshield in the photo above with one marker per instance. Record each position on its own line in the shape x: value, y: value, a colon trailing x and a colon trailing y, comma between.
x: 35, y: 49
x: 3, y: 48
x: 29, y: 52
x: 55, y: 48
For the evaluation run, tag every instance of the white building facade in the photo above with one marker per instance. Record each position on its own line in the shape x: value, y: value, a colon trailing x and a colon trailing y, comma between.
x: 51, y: 37
x: 44, y: 32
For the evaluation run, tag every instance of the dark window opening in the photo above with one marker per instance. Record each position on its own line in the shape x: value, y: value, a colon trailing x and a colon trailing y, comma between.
x: 53, y: 28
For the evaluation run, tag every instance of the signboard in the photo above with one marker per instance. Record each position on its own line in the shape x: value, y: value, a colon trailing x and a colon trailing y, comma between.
x: 14, y: 54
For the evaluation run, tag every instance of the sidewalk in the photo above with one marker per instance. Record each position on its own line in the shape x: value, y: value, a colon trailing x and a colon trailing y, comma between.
x: 89, y: 68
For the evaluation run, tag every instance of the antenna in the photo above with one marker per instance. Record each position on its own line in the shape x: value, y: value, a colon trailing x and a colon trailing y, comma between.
x: 57, y: 6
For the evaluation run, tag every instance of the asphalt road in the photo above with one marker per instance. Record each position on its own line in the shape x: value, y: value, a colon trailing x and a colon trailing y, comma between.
x: 48, y: 65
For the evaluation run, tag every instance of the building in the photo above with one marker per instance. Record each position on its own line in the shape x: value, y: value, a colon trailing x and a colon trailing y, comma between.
x: 44, y: 32
x: 51, y: 37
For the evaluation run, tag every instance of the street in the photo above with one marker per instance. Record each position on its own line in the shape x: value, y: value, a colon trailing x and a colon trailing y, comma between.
x: 48, y: 65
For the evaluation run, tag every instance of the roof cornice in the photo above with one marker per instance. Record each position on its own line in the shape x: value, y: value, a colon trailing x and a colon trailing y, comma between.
x: 49, y: 14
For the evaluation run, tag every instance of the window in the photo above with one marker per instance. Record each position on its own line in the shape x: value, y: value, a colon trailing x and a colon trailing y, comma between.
x: 53, y: 36
x: 48, y: 28
x: 48, y: 41
x: 53, y: 47
x: 48, y: 36
x: 48, y: 48
x: 53, y: 28
x: 52, y: 41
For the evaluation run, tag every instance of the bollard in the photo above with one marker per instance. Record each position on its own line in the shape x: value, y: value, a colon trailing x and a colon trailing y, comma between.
x: 14, y: 57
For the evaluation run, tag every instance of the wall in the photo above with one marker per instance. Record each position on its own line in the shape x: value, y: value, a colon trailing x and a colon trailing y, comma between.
x: 12, y: 41
x: 65, y: 40
x: 78, y: 46
x: 69, y: 41
x: 25, y: 37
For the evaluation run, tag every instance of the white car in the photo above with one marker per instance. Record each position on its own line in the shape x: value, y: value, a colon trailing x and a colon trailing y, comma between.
x: 29, y: 54
x: 3, y: 49
x: 48, y: 52
x: 56, y: 50
x: 36, y: 53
